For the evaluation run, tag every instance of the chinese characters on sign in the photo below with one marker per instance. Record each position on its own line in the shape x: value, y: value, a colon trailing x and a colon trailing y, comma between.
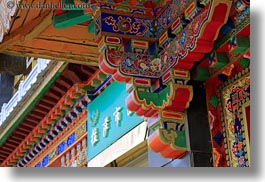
x: 94, y: 136
x: 94, y: 120
x: 109, y: 119
x: 106, y: 126
x: 117, y: 114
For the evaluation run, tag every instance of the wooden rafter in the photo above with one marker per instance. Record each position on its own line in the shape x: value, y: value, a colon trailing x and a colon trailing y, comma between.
x: 27, y: 32
x: 36, y: 37
x: 43, y: 124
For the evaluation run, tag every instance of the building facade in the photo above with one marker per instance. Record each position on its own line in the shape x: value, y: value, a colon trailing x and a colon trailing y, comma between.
x: 129, y: 83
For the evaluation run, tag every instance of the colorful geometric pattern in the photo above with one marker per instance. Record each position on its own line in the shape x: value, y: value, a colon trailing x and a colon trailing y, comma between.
x: 155, y: 53
x: 235, y: 98
x: 230, y: 121
x: 62, y: 147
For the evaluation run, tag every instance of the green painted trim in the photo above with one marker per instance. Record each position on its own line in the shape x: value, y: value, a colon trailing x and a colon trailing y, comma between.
x: 227, y: 37
x: 102, y: 76
x: 158, y: 99
x: 88, y: 88
x: 232, y: 33
x: 70, y: 18
x: 242, y: 44
x: 214, y: 101
x: 92, y: 27
x: 244, y: 62
x: 202, y: 74
x: 95, y: 83
x: 32, y: 105
x: 221, y: 60
x: 180, y: 140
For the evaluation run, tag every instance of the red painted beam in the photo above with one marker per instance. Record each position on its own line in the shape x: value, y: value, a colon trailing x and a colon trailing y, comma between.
x: 73, y: 77
x: 34, y: 117
x: 17, y: 136
x: 65, y: 81
x: 45, y: 104
x: 41, y: 109
x: 23, y: 133
x: 36, y: 114
x: 14, y: 140
x: 56, y: 94
x: 2, y: 154
x: 76, y: 70
x: 58, y: 91
x: 60, y: 86
x: 27, y: 124
x: 10, y: 141
x: 25, y: 128
x: 12, y: 146
x: 31, y: 121
x: 7, y: 149
x: 50, y: 99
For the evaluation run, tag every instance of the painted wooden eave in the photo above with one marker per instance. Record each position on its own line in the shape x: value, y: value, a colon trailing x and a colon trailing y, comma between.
x: 33, y: 93
x: 30, y: 98
x: 66, y: 101
x: 32, y: 34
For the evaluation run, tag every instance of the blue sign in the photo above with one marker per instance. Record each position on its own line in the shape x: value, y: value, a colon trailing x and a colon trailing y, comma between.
x: 109, y: 119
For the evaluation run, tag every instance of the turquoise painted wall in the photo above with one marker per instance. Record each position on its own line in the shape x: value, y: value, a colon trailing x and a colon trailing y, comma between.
x: 109, y: 119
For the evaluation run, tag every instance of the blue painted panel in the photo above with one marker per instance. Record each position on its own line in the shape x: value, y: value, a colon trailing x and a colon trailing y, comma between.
x: 45, y: 161
x: 61, y: 147
x: 38, y: 165
x: 71, y: 139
